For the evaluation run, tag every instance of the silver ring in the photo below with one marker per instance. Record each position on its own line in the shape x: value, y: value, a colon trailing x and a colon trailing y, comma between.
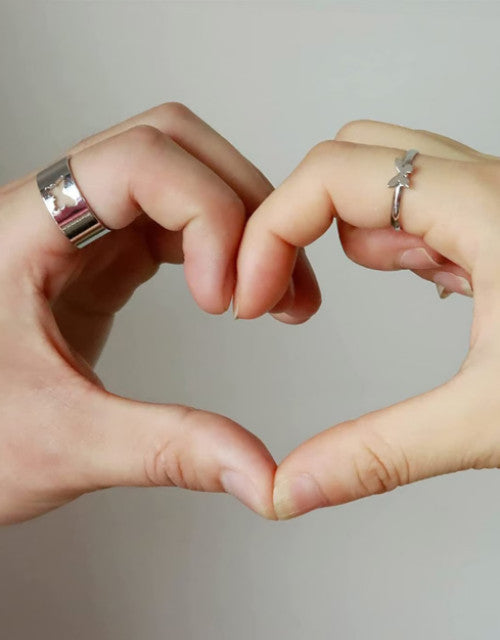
x: 405, y: 167
x: 67, y: 206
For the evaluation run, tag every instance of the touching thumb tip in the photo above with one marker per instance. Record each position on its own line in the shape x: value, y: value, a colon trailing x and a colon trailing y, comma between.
x: 240, y: 487
x: 243, y: 489
x: 297, y: 495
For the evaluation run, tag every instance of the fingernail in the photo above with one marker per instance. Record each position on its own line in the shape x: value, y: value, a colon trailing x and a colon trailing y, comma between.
x: 453, y: 283
x: 297, y: 495
x: 417, y: 258
x: 240, y: 487
x: 442, y: 292
x: 235, y: 311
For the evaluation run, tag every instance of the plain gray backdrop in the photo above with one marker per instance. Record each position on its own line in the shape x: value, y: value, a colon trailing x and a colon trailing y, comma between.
x: 274, y: 78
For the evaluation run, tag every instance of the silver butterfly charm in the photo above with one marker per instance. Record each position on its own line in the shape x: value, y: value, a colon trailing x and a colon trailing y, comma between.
x: 61, y: 198
x: 404, y: 167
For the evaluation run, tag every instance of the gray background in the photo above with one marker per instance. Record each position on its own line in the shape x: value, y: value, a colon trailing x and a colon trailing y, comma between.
x: 275, y: 78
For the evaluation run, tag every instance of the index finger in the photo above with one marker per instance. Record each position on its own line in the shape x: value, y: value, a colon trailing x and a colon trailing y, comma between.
x: 196, y: 137
x: 349, y: 180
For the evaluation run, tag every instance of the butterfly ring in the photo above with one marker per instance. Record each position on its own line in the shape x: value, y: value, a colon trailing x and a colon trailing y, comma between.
x: 405, y: 167
x: 67, y: 206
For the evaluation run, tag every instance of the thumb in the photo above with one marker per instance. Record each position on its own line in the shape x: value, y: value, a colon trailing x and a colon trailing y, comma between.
x: 450, y: 428
x: 133, y: 443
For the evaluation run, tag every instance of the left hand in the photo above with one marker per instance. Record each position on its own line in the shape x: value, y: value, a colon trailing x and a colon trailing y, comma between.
x: 173, y: 190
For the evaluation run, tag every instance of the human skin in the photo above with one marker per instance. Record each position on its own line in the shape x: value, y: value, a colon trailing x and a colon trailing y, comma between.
x: 173, y: 190
x: 452, y: 210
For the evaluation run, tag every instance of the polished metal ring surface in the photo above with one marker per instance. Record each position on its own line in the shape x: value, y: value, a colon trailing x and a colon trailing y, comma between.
x: 67, y: 206
x: 405, y: 167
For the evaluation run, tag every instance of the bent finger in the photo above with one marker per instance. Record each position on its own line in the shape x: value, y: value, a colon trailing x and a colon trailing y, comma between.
x: 386, y: 134
x: 195, y: 136
x: 325, y: 185
x: 384, y: 250
x: 143, y: 170
x: 381, y: 248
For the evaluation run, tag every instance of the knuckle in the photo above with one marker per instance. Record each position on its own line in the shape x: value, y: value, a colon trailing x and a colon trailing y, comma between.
x: 163, y: 468
x: 174, y: 118
x: 175, y: 111
x: 234, y: 205
x: 143, y: 135
x: 325, y: 147
x: 318, y: 155
x: 355, y: 130
x: 378, y: 466
x: 226, y: 207
x: 165, y: 464
x: 328, y: 149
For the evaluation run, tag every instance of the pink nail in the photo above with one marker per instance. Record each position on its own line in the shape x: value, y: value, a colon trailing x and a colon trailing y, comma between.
x: 442, y: 292
x: 417, y: 258
x: 453, y: 283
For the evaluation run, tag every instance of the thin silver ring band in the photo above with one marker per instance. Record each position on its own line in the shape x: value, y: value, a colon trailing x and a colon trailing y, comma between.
x: 405, y: 167
x: 67, y: 206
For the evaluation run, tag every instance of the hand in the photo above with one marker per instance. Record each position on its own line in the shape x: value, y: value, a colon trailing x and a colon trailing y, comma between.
x: 451, y: 222
x: 174, y: 190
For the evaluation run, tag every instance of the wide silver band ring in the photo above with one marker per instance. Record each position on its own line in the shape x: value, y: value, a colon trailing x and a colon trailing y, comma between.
x: 405, y: 167
x: 67, y: 206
